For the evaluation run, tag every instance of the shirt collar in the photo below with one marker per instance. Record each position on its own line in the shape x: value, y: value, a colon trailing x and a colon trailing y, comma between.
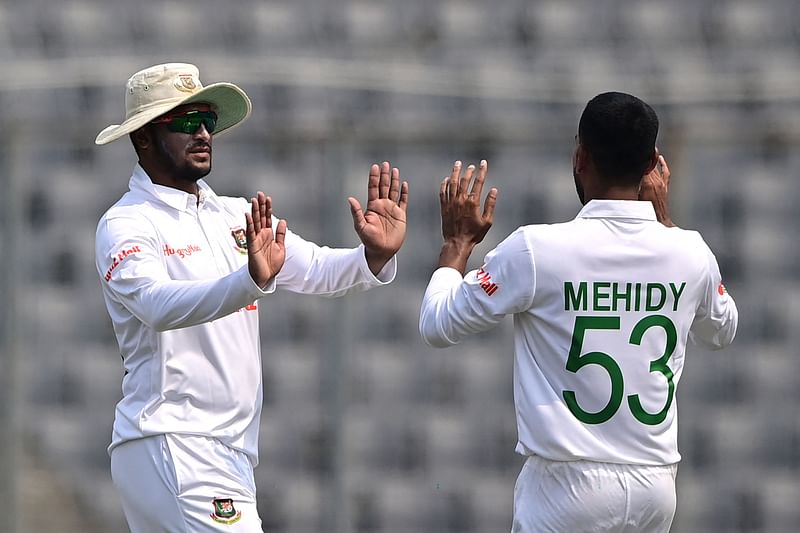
x: 175, y: 198
x: 630, y: 209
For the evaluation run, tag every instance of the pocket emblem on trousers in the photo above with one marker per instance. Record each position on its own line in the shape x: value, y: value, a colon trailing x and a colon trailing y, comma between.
x: 225, y: 512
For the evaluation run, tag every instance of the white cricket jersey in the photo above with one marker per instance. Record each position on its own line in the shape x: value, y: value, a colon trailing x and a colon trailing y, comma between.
x: 182, y: 302
x: 603, y: 308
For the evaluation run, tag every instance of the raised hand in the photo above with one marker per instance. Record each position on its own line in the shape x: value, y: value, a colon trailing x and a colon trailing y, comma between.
x: 266, y: 251
x: 654, y: 188
x: 463, y: 223
x: 382, y: 228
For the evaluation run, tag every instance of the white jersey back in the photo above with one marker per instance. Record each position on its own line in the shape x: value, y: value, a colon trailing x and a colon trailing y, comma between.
x: 603, y: 308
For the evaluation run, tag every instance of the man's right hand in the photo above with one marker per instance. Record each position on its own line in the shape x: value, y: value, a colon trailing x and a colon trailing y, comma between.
x: 464, y: 225
x: 655, y: 188
x: 266, y: 250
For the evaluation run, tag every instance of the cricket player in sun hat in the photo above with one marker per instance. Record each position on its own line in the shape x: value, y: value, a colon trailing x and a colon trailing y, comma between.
x: 603, y: 308
x: 183, y: 272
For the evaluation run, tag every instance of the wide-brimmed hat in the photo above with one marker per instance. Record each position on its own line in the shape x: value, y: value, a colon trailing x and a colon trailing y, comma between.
x: 158, y: 89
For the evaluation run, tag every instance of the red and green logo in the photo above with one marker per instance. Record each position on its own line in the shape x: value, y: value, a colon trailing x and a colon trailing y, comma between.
x: 225, y: 512
x: 240, y: 240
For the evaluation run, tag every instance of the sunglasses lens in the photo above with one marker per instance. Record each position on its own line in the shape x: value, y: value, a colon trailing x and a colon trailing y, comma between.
x: 191, y: 123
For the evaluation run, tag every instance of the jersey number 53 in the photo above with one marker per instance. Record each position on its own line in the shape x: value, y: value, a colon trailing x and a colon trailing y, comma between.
x: 576, y: 361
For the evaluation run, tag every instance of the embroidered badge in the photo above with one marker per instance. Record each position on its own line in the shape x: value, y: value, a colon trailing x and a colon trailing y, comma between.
x: 240, y: 240
x: 721, y: 289
x: 225, y: 512
x: 185, y: 83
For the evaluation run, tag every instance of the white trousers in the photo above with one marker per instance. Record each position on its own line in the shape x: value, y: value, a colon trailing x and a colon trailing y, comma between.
x: 592, y: 497
x: 185, y: 484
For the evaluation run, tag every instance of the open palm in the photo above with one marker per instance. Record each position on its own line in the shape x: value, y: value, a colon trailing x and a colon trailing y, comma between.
x: 266, y: 251
x: 382, y: 228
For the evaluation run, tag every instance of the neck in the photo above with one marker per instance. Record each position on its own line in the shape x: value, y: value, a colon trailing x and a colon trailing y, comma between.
x: 614, y: 192
x: 160, y: 177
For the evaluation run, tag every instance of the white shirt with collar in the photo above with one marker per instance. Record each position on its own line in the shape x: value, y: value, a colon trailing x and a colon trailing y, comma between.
x: 603, y: 307
x: 183, y: 305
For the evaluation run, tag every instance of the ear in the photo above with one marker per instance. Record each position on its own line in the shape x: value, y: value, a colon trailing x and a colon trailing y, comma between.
x: 141, y: 138
x: 582, y: 159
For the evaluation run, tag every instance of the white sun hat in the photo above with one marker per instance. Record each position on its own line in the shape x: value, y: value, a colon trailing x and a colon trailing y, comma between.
x: 161, y: 88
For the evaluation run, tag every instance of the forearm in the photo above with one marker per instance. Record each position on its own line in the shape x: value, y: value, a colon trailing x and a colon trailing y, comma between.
x: 454, y: 308
x: 455, y: 254
x: 173, y: 304
x: 331, y: 272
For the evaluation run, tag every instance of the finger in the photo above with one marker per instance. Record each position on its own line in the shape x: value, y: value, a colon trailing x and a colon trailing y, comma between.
x: 385, y: 180
x: 488, y: 208
x: 394, y: 187
x: 255, y: 215
x: 404, y: 196
x: 265, y: 210
x: 372, y: 183
x: 444, y: 192
x: 463, y: 185
x: 358, y: 214
x: 664, y: 168
x: 249, y: 232
x: 280, y: 232
x: 477, y: 186
x: 452, y: 190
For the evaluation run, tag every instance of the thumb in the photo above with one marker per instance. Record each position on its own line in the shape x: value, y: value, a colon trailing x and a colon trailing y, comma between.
x: 280, y: 232
x: 491, y: 201
x: 249, y: 233
x: 358, y: 214
x: 665, y: 173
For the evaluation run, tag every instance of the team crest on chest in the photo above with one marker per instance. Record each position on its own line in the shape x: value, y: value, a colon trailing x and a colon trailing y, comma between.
x: 239, y: 240
x: 225, y: 512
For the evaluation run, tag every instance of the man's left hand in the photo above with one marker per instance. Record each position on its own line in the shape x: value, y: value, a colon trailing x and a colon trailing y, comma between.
x: 382, y: 228
x: 654, y: 188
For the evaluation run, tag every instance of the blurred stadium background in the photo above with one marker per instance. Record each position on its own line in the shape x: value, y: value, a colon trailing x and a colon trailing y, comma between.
x: 364, y: 428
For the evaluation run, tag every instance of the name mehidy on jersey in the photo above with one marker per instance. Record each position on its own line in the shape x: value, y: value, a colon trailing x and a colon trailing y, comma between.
x: 618, y: 296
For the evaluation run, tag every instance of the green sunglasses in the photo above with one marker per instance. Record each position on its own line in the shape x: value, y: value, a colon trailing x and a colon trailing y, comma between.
x: 189, y: 122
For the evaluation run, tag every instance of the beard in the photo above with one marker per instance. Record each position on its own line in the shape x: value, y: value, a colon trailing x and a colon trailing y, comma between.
x: 180, y: 166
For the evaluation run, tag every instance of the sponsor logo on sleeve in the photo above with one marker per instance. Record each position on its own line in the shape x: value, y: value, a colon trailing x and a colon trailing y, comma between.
x: 485, y: 281
x: 722, y: 290
x: 118, y: 258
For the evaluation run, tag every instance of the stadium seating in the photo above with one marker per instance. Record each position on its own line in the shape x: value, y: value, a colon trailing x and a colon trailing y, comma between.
x: 358, y: 411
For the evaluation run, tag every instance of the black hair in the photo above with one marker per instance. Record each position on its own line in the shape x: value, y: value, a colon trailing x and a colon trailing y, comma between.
x: 619, y: 132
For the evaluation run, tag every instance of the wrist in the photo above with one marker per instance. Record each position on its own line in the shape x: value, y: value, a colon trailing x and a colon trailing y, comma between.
x: 455, y: 254
x: 376, y: 260
x: 458, y: 245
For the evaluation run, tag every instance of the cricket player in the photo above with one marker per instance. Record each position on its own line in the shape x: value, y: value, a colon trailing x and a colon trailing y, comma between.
x: 183, y: 272
x: 603, y: 308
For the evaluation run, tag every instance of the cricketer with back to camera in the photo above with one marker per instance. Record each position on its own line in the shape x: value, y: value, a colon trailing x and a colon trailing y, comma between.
x: 604, y: 306
x: 183, y: 271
